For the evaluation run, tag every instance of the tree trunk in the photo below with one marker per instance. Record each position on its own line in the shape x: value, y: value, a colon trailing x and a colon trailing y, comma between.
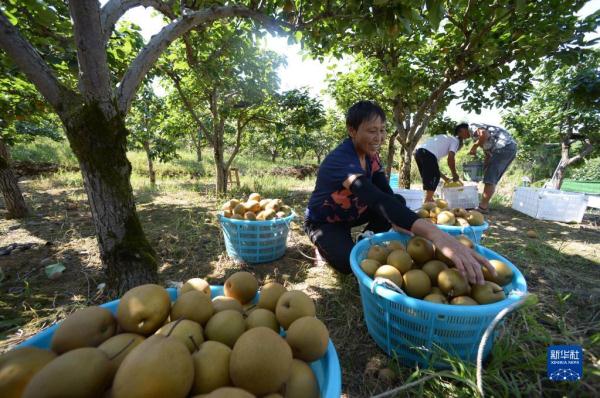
x: 390, y: 155
x: 273, y: 156
x: 199, y: 153
x: 100, y: 145
x: 9, y: 186
x: 406, y: 151
x: 220, y: 168
x: 151, y: 171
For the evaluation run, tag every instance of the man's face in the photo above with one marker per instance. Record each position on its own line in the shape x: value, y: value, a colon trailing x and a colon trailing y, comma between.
x: 463, y: 133
x: 369, y: 136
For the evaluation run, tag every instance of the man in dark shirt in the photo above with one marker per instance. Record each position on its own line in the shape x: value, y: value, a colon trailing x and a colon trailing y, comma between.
x: 352, y: 189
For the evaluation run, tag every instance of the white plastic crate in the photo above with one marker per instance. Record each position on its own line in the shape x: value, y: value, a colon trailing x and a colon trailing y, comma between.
x: 550, y: 204
x: 466, y: 197
x: 414, y: 198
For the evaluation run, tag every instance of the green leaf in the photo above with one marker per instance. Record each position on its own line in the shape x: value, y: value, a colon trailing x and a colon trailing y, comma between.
x: 435, y: 12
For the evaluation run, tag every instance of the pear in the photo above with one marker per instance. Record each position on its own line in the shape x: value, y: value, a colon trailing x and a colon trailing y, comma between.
x: 465, y: 241
x: 386, y: 375
x: 269, y: 294
x: 391, y: 273
x: 463, y: 300
x: 395, y: 245
x: 436, y: 290
x: 429, y: 206
x: 211, y: 367
x: 531, y: 234
x: 441, y: 203
x: 252, y: 205
x: 436, y: 298
x: 159, y: 367
x: 504, y: 274
x: 475, y: 218
x: 119, y: 346
x: 18, y: 366
x: 240, y: 209
x: 222, y: 303
x: 262, y: 317
x: 229, y: 392
x: 242, y: 286
x: 225, y: 327
x: 293, y: 305
x: 369, y: 266
x: 432, y: 268
x: 487, y: 293
x: 446, y: 218
x: 250, y: 215
x: 260, y: 362
x: 82, y: 372
x: 308, y: 337
x: 416, y: 283
x: 378, y: 253
x: 400, y: 260
x: 422, y: 213
x: 460, y: 212
x: 87, y: 327
x: 193, y: 305
x: 254, y: 196
x: 302, y: 382
x: 143, y: 309
x: 453, y: 283
x: 186, y: 331
x: 420, y: 249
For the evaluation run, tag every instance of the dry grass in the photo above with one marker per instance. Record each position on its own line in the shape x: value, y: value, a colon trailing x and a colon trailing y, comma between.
x: 561, y: 267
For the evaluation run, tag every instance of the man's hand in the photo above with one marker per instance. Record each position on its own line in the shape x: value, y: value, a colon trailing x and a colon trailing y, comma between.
x: 473, y: 151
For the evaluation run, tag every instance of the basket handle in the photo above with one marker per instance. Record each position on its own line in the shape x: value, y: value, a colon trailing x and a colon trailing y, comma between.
x: 379, y: 281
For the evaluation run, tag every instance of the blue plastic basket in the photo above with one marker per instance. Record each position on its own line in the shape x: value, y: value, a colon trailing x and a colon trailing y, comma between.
x: 473, y: 232
x: 327, y: 369
x: 255, y: 241
x: 418, y: 331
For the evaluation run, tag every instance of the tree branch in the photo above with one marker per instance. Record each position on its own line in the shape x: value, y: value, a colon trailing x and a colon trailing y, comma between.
x: 188, y: 104
x: 148, y: 56
x: 586, y: 150
x: 238, y: 142
x: 29, y: 61
x: 115, y: 9
x: 94, y: 77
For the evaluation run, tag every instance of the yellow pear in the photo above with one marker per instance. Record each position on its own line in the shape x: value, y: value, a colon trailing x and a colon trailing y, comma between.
x: 143, y: 309
x: 18, y: 366
x: 86, y: 327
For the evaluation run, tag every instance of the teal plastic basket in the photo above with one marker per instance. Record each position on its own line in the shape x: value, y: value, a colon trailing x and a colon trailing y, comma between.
x: 255, y: 241
x: 327, y: 369
x: 473, y: 232
x: 420, y: 332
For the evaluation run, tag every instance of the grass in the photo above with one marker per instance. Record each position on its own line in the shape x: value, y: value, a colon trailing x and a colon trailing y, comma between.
x: 178, y: 216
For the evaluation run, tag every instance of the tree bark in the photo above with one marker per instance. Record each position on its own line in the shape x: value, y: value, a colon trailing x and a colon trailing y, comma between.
x: 390, y: 155
x: 566, y: 160
x: 406, y: 151
x: 100, y: 146
x: 9, y: 186
x: 151, y: 171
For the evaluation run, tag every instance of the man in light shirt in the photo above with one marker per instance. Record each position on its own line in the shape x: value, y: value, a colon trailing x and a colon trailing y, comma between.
x: 435, y: 149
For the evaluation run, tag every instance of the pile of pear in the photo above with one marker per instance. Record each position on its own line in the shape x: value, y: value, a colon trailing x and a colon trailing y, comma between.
x: 438, y: 213
x: 425, y: 273
x: 228, y: 346
x: 255, y: 208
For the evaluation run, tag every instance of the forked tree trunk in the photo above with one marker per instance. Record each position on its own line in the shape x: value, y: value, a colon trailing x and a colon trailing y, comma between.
x: 9, y: 186
x: 566, y: 160
x: 100, y: 146
x: 151, y: 170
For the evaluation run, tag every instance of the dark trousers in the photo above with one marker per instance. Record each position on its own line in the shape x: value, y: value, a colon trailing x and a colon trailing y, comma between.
x: 428, y: 168
x: 334, y: 240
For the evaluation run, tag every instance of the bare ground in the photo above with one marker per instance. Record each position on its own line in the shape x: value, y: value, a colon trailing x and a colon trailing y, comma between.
x: 561, y: 267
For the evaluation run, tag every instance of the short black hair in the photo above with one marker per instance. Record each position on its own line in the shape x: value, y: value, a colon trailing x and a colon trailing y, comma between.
x: 363, y: 111
x: 459, y: 127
